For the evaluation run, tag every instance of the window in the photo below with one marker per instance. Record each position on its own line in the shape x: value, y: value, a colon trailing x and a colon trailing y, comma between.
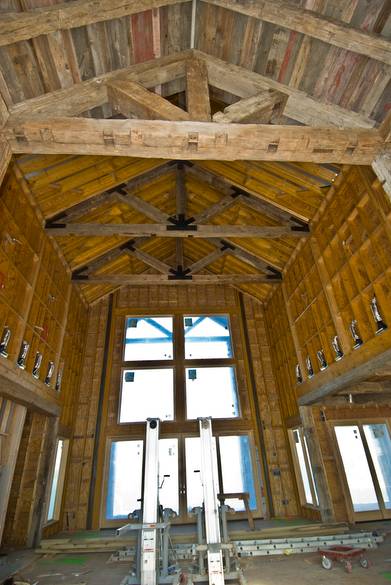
x: 57, y: 481
x: 303, y: 466
x: 211, y: 392
x: 207, y: 337
x: 148, y: 338
x: 170, y: 362
x: 178, y: 368
x: 233, y: 470
x: 147, y: 394
x: 125, y: 477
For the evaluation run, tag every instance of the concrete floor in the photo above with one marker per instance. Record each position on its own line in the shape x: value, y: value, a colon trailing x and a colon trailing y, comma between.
x: 93, y: 569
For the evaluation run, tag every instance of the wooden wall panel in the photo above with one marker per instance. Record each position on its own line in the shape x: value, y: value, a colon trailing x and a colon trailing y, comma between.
x: 276, y: 442
x: 331, y: 281
x: 283, y: 353
x: 12, y: 418
x: 38, y: 305
x: 85, y: 408
x: 28, y: 483
x: 156, y: 299
x: 35, y: 287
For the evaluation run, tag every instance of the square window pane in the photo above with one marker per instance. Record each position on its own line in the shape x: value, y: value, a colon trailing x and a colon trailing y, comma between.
x: 211, y: 392
x: 147, y: 394
x: 168, y: 466
x: 148, y: 338
x: 207, y: 336
x: 194, y: 491
x: 236, y: 467
x: 125, y: 478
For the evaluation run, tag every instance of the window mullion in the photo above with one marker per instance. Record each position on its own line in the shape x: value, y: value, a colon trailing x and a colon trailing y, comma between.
x: 179, y: 358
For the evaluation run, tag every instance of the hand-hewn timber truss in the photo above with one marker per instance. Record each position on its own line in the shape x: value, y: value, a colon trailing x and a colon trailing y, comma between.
x: 148, y: 125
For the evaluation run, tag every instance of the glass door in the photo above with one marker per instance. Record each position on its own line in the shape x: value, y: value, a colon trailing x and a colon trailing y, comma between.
x: 365, y: 451
x: 233, y: 471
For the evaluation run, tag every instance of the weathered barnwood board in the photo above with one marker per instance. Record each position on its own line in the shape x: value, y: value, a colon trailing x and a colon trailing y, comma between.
x: 314, y: 25
x: 193, y: 140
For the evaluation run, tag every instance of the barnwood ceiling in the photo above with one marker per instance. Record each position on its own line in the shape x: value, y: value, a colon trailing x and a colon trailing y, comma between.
x: 314, y: 75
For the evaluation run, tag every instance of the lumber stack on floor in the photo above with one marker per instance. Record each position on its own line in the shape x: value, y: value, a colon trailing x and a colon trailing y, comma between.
x: 110, y: 543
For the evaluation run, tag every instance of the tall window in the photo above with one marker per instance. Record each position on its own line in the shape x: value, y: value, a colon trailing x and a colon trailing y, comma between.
x: 57, y: 480
x: 179, y: 368
x: 167, y: 365
x: 303, y: 467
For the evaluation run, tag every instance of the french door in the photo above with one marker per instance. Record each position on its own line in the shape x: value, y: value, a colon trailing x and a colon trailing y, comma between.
x: 365, y: 453
x: 180, y: 482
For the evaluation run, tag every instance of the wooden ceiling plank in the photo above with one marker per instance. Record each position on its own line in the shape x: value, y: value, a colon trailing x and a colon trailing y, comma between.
x: 74, y: 190
x: 255, y: 261
x: 92, y: 93
x: 261, y: 108
x: 263, y: 207
x: 18, y: 26
x: 209, y: 259
x: 266, y: 192
x: 148, y: 259
x: 245, y: 197
x: 171, y: 231
x: 225, y: 203
x: 143, y: 206
x: 180, y: 192
x: 84, y: 207
x: 197, y: 90
x: 193, y: 140
x: 134, y: 185
x: 300, y: 106
x: 181, y: 205
x: 179, y: 254
x: 326, y: 29
x: 161, y: 279
x: 133, y: 99
x: 102, y: 259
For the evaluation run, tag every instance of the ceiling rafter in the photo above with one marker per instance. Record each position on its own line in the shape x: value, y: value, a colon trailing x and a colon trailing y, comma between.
x: 132, y: 99
x: 234, y: 79
x: 86, y: 95
x: 256, y: 261
x: 15, y: 27
x: 193, y: 140
x: 300, y: 105
x: 197, y: 90
x: 317, y: 26
x: 263, y: 108
x: 160, y: 279
x: 243, y: 195
x: 175, y: 231
x: 19, y: 26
